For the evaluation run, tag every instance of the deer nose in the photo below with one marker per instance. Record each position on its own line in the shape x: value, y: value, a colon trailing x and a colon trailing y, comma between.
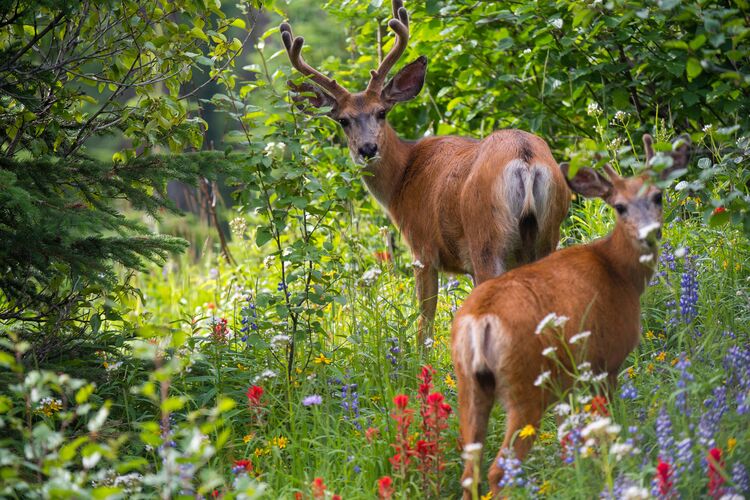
x: 368, y: 150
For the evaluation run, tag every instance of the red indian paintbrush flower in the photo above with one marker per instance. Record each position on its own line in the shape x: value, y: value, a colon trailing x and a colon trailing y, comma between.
x: 664, y: 480
x: 318, y: 488
x: 385, y: 488
x: 253, y: 395
x: 715, y: 479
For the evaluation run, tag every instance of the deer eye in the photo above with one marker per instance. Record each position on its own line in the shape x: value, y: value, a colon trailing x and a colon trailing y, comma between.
x: 381, y: 114
x: 621, y: 209
x: 344, y: 122
x: 657, y: 198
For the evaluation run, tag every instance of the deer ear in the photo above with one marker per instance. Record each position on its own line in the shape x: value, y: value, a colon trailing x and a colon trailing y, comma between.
x: 587, y: 182
x: 680, y: 156
x: 407, y: 83
x: 311, y: 93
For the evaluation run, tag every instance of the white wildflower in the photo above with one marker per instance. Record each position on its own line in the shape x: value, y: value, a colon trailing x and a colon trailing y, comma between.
x: 549, y: 352
x: 586, y: 376
x: 579, y: 336
x: 369, y: 276
x: 238, y: 226
x: 584, y: 366
x: 526, y: 51
x: 596, y: 427
x: 680, y: 252
x: 264, y: 375
x: 542, y: 378
x: 593, y: 109
x: 417, y: 264
x: 621, y: 450
x: 273, y: 147
x: 428, y: 343
x: 552, y: 320
x: 708, y: 129
x: 614, y: 429
x: 557, y: 23
x: 562, y: 409
x: 621, y: 116
x: 112, y: 366
x: 635, y: 493
x: 601, y: 377
x: 584, y: 399
x: 279, y: 339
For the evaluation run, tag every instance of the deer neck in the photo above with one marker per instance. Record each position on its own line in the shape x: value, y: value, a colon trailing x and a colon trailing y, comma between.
x: 384, y: 176
x: 633, y: 266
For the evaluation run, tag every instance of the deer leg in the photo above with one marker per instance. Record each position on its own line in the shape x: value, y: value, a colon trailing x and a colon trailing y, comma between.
x: 476, y: 396
x: 518, y: 417
x: 427, y: 292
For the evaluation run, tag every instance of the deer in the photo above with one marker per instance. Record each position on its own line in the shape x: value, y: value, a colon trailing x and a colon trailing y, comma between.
x: 464, y: 206
x: 497, y: 346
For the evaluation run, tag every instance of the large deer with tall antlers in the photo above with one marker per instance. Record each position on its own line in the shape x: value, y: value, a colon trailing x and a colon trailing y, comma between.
x: 463, y: 205
x: 498, y: 336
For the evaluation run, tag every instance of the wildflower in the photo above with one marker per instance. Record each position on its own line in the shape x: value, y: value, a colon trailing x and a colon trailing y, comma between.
x: 596, y: 427
x: 552, y: 320
x: 715, y: 479
x: 578, y: 337
x: 628, y: 391
x: 265, y: 375
x: 248, y: 437
x: 371, y: 433
x: 599, y: 405
x: 549, y: 352
x: 417, y: 264
x: 242, y: 466
x: 708, y: 128
x: 312, y: 400
x: 683, y: 363
x: 664, y: 438
x: 715, y: 406
x: 731, y: 443
x: 661, y: 356
x: 557, y: 23
x: 546, y: 436
x: 593, y: 108
x: 49, y: 406
x: 511, y: 468
x: 562, y: 409
x: 449, y: 381
x: 740, y: 477
x: 689, y: 291
x: 385, y: 488
x: 527, y: 431
x: 428, y: 343
x: 318, y: 488
x: 278, y: 442
x: 322, y: 360
x: 350, y: 403
x: 277, y: 340
x: 254, y: 394
x: 635, y: 493
x: 403, y: 417
x: 259, y: 452
x: 370, y: 276
x: 393, y: 351
x: 621, y: 116
x: 542, y: 378
x: 663, y: 481
x: 487, y: 496
x: 621, y: 450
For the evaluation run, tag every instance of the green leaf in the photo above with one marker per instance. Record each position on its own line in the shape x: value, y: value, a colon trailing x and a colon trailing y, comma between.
x: 693, y: 68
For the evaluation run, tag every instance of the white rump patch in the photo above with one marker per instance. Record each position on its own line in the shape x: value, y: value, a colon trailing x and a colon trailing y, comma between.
x: 480, y: 343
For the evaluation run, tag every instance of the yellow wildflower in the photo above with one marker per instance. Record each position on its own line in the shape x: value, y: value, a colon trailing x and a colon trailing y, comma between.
x: 650, y: 368
x: 527, y: 431
x: 731, y: 443
x: 49, y: 406
x: 674, y: 361
x: 322, y: 360
x: 737, y: 266
x: 546, y: 436
x: 375, y: 398
x: 279, y: 442
x: 661, y: 356
x: 449, y: 381
x: 650, y: 335
x: 631, y: 372
x: 248, y: 437
x: 259, y: 452
x: 545, y: 488
x: 488, y: 496
x: 725, y: 264
x: 241, y: 367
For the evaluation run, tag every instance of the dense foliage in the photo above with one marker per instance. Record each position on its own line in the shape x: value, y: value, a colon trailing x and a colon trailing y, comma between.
x: 294, y: 370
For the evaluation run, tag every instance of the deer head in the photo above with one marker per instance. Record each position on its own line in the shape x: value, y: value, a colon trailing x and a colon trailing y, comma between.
x: 637, y: 200
x: 363, y: 114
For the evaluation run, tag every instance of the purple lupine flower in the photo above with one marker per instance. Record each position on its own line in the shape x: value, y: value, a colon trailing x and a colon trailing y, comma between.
x: 740, y: 477
x: 714, y: 408
x: 685, y: 376
x: 683, y: 457
x: 511, y: 468
x: 666, y: 262
x: 393, y: 351
x: 664, y: 437
x: 737, y: 367
x: 689, y: 290
x: 628, y: 391
x: 312, y: 400
x: 248, y: 317
x: 350, y: 403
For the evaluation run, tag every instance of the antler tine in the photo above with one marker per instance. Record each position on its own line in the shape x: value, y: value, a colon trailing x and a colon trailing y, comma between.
x: 648, y: 147
x: 294, y: 49
x: 400, y: 26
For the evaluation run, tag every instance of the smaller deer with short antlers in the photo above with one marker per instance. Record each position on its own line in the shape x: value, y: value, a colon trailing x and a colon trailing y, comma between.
x: 496, y: 345
x: 462, y: 205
